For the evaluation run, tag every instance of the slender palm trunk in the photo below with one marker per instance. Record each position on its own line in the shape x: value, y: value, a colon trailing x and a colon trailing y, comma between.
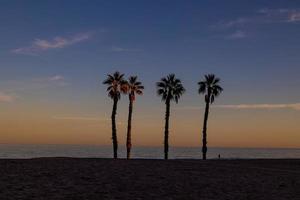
x: 128, y: 142
x: 166, y: 142
x: 114, y: 128
x: 204, y: 137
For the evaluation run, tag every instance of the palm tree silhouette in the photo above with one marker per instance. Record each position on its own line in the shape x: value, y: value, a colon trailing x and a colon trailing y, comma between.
x: 210, y: 88
x: 133, y: 87
x: 170, y: 89
x: 116, y: 85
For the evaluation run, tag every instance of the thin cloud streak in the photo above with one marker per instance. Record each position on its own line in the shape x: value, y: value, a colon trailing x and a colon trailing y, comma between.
x: 237, y: 35
x: 231, y: 23
x: 6, y: 97
x: 40, y: 45
x: 83, y: 118
x: 293, y: 106
x: 57, y: 78
x: 33, y: 84
x: 13, y: 87
x: 79, y: 118
x: 281, y: 15
x: 262, y: 16
x: 120, y: 49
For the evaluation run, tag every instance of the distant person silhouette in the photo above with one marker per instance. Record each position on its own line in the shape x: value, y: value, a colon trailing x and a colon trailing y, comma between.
x: 219, y: 156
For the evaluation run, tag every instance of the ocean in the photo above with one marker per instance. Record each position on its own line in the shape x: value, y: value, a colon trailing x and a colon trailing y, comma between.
x: 94, y: 151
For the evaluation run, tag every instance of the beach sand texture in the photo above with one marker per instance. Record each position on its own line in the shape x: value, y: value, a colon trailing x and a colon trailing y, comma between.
x: 91, y: 179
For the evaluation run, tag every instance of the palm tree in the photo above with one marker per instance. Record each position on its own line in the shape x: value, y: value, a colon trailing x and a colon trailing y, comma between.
x: 210, y: 88
x: 116, y: 84
x: 170, y: 89
x: 133, y: 87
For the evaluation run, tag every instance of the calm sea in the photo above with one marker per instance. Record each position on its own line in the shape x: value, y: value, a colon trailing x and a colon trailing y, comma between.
x: 82, y: 151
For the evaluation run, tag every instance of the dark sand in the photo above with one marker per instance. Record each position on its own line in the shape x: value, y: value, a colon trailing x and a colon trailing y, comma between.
x: 83, y: 179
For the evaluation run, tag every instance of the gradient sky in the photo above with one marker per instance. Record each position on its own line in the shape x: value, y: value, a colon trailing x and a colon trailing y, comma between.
x: 55, y: 54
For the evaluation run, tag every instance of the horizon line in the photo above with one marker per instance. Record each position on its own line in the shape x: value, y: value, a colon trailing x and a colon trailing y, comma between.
x: 154, y: 146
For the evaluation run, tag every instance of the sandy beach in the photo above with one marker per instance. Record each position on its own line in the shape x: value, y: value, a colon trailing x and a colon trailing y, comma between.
x: 84, y: 179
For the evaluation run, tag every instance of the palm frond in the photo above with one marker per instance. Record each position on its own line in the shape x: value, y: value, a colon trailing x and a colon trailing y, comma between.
x: 202, y: 87
x: 115, y: 84
x: 139, y: 92
x: 134, y: 86
x: 210, y: 87
x: 140, y: 87
x: 161, y: 84
x: 170, y: 88
x: 216, y: 81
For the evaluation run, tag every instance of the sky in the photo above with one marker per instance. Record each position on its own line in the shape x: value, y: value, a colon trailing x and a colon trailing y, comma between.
x: 55, y: 54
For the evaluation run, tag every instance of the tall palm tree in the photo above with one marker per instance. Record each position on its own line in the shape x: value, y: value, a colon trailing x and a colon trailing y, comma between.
x: 116, y: 85
x: 170, y: 89
x: 210, y: 88
x: 133, y: 87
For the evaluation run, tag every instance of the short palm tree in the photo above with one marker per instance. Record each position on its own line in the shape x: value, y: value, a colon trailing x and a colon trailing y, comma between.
x: 116, y: 85
x: 170, y: 89
x: 133, y: 87
x: 210, y: 88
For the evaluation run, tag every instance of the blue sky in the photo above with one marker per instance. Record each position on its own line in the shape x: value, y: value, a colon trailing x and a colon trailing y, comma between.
x: 56, y: 53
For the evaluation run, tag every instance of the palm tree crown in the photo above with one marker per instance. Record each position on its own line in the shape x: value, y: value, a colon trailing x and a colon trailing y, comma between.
x: 134, y: 87
x: 170, y: 88
x: 210, y: 87
x: 116, y: 85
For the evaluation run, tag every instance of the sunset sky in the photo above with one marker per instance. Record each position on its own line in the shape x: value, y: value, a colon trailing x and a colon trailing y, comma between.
x: 55, y: 54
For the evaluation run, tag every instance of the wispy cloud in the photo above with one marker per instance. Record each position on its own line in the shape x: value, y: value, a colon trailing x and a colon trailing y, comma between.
x: 83, y: 118
x: 262, y: 16
x: 79, y: 118
x: 231, y: 23
x: 293, y: 106
x: 237, y: 35
x: 57, y: 78
x: 294, y: 17
x: 13, y: 88
x: 281, y: 15
x: 6, y: 97
x: 34, y: 83
x: 40, y: 45
x: 120, y: 49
